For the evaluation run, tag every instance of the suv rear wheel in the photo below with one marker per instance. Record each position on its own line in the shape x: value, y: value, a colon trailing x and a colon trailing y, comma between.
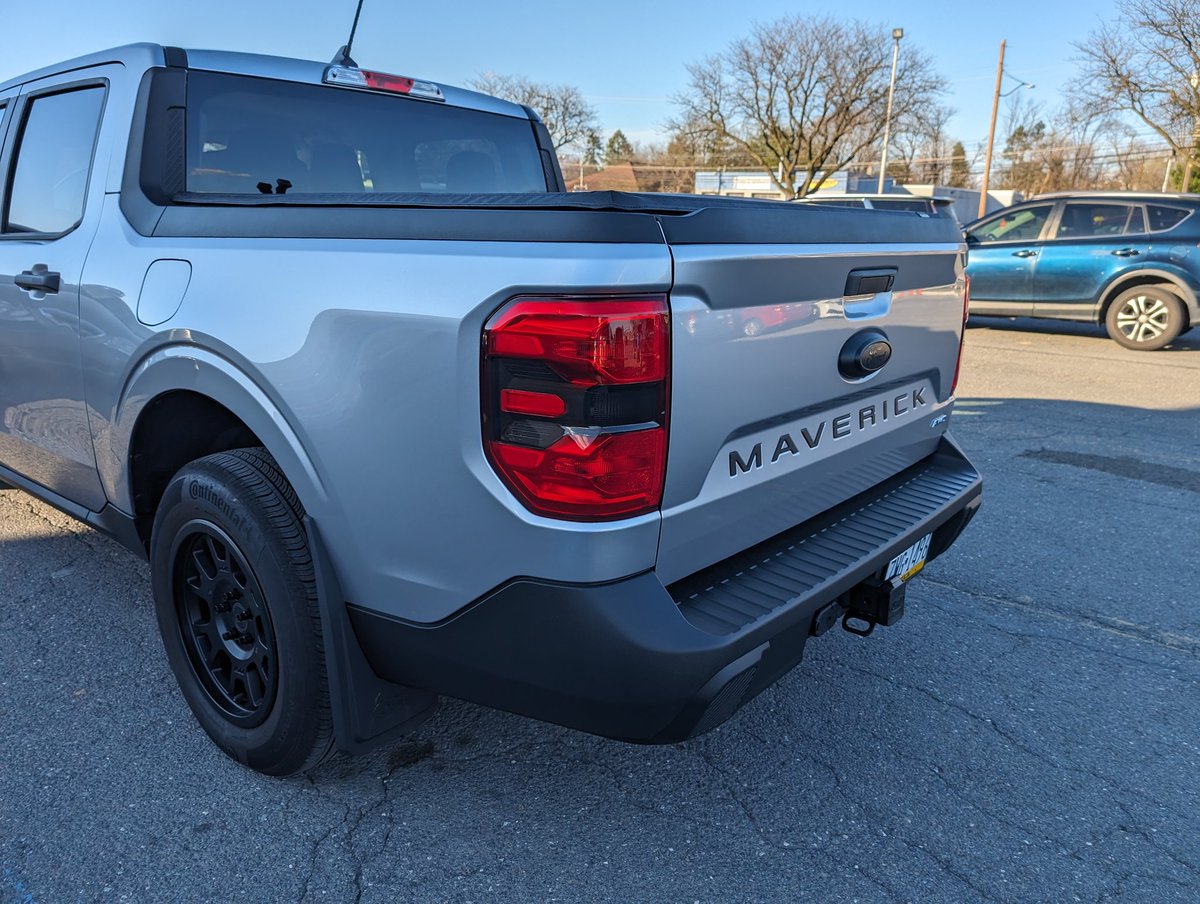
x: 237, y: 606
x: 1145, y: 318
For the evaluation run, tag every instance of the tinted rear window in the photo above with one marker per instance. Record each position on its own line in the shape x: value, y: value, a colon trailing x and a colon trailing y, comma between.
x: 1164, y: 218
x: 911, y: 206
x: 260, y: 136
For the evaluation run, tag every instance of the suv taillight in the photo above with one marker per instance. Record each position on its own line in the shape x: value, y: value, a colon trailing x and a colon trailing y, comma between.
x: 575, y: 404
x: 962, y: 337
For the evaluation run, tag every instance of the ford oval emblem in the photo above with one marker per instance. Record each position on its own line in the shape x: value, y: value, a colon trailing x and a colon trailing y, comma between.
x: 864, y: 353
x: 875, y: 355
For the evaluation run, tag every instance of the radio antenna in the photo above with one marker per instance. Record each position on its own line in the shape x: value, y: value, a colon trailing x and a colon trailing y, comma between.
x: 343, y: 56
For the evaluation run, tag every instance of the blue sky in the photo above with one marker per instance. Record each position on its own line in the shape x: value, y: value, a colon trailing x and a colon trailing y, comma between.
x: 627, y: 57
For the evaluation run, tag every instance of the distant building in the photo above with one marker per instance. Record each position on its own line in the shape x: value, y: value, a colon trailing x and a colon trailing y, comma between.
x: 758, y: 184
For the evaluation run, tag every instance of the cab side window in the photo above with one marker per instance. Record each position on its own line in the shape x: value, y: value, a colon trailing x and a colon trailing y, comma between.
x: 53, y: 158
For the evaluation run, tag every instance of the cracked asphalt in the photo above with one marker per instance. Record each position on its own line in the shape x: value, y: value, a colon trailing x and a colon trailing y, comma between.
x: 1029, y: 732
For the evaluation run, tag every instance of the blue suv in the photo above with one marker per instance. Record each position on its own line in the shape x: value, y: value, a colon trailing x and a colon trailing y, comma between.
x: 1129, y: 261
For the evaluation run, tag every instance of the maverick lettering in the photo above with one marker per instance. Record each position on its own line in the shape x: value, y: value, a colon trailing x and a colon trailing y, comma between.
x: 839, y: 427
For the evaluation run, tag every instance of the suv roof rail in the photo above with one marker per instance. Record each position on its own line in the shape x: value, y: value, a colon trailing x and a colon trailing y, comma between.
x: 1115, y: 193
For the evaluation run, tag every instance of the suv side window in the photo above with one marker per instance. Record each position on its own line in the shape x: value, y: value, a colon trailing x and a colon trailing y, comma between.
x: 1023, y: 225
x: 1092, y: 219
x: 1164, y: 218
x: 53, y: 158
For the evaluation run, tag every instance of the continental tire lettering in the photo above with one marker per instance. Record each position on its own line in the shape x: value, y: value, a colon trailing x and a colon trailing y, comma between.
x: 205, y: 493
x: 736, y: 463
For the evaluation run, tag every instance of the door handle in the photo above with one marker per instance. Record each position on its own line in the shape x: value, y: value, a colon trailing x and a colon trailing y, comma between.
x: 1025, y: 253
x: 39, y: 279
x: 1126, y: 252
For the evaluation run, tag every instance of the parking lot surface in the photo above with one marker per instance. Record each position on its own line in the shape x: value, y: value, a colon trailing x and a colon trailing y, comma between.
x: 1028, y: 732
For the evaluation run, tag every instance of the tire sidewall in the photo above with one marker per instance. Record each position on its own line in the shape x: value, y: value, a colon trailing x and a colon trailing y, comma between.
x: 203, y: 491
x: 1174, y: 326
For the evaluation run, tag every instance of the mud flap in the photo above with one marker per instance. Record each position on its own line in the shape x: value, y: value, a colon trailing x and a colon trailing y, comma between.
x: 367, y: 711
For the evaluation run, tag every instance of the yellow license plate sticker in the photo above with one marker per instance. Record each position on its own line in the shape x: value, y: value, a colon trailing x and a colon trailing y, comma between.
x: 909, y: 562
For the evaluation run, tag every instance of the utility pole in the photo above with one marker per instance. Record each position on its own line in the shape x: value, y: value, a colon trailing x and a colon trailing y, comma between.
x: 897, y: 34
x: 987, y: 161
x: 1191, y: 158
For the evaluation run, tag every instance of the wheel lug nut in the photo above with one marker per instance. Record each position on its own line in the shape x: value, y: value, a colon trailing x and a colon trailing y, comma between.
x: 229, y: 635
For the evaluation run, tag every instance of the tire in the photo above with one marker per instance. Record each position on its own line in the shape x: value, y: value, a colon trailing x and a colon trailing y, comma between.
x: 237, y: 607
x: 752, y: 327
x: 1145, y: 318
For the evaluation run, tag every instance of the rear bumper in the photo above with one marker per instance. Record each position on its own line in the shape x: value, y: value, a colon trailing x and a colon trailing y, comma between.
x: 638, y: 661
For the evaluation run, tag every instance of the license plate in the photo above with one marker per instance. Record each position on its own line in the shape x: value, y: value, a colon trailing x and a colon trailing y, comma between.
x: 909, y: 562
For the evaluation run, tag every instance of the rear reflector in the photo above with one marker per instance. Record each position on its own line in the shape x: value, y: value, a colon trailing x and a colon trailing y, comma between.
x: 349, y: 77
x: 539, y: 404
x: 575, y: 404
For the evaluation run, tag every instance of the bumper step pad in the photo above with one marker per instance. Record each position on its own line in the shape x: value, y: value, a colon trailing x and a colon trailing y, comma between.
x: 737, y: 592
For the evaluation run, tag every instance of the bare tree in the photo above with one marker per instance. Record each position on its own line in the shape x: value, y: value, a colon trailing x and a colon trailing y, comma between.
x: 1062, y: 153
x: 1146, y: 61
x: 805, y: 95
x: 569, y: 118
x: 920, y: 146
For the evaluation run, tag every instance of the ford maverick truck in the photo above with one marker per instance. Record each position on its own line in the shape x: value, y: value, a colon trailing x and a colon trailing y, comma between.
x: 392, y: 416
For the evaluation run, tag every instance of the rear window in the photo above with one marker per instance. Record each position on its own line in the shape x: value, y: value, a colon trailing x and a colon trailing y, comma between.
x: 261, y: 136
x: 1164, y: 218
x: 911, y: 206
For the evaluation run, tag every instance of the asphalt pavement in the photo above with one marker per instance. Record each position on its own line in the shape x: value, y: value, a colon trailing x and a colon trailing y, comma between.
x: 1030, y: 731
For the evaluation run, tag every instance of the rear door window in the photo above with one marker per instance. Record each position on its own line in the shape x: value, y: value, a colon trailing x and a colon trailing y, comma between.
x: 1163, y: 218
x: 262, y: 136
x: 1023, y: 225
x: 1089, y: 219
x: 53, y: 158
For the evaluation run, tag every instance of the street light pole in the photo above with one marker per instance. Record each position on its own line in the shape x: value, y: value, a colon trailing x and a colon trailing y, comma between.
x: 897, y: 34
x: 987, y: 161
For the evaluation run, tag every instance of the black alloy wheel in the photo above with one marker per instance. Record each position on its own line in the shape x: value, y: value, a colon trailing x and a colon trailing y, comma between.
x: 226, y: 628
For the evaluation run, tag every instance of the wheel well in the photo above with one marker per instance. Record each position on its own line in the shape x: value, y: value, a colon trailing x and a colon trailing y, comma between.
x: 176, y: 428
x: 1135, y: 281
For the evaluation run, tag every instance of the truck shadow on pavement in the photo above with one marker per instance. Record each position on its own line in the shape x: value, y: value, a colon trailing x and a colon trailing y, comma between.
x: 1020, y: 735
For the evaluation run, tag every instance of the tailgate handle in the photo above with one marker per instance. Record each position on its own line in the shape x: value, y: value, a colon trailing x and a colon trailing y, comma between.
x: 869, y: 282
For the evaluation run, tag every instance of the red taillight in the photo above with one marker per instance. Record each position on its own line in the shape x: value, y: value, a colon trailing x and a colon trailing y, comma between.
x: 586, y: 342
x: 962, y: 337
x: 575, y: 404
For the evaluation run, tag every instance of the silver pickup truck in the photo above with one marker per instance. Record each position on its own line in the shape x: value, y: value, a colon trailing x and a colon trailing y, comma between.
x: 393, y: 416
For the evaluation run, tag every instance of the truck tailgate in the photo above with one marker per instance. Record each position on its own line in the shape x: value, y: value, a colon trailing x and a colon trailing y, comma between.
x: 767, y: 428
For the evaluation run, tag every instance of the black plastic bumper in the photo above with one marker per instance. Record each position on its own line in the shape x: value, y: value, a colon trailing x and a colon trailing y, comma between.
x: 638, y: 661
